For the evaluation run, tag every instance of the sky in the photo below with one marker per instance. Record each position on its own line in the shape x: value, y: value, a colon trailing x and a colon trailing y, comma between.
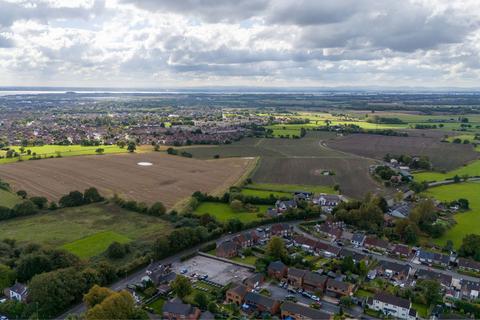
x: 264, y: 43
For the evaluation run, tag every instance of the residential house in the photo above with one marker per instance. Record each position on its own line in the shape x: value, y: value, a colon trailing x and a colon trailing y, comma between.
x: 277, y: 270
x: 281, y: 230
x: 294, y: 311
x: 356, y: 256
x: 358, y: 239
x: 335, y: 288
x: 302, y: 196
x: 175, y: 309
x: 327, y: 250
x: 284, y: 205
x: 327, y: 201
x: 393, y: 270
x: 376, y: 244
x: 246, y: 239
x: 401, y: 250
x: 18, y: 292
x: 329, y: 230
x: 429, y: 258
x: 236, y: 294
x: 227, y: 249
x: 254, y: 281
x: 295, y: 277
x: 401, y: 210
x: 314, y: 282
x: 262, y: 303
x: 468, y: 265
x: 470, y: 290
x: 444, y: 279
x: 393, y: 306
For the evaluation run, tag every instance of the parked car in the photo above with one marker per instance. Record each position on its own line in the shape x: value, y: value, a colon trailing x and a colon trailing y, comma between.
x: 291, y: 298
x: 315, y: 298
x: 183, y: 271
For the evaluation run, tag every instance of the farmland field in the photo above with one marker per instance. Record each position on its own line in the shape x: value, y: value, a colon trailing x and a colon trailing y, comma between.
x: 467, y: 222
x: 472, y: 170
x: 289, y: 188
x: 48, y: 151
x: 299, y: 162
x: 8, y: 199
x: 444, y: 156
x: 95, y: 244
x: 222, y: 212
x: 169, y: 178
x: 72, y: 224
x: 265, y: 193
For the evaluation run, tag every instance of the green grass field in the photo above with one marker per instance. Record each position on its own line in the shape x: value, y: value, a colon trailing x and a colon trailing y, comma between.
x: 467, y: 222
x: 265, y: 193
x: 95, y: 244
x: 472, y: 169
x: 247, y: 260
x: 157, y: 305
x: 48, y: 151
x: 222, y: 212
x: 63, y: 226
x: 8, y: 199
x: 289, y: 188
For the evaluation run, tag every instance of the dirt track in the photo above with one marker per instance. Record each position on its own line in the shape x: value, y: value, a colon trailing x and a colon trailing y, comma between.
x: 169, y: 179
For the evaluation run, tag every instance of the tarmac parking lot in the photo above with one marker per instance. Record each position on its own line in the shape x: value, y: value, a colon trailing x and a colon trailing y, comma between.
x: 219, y: 272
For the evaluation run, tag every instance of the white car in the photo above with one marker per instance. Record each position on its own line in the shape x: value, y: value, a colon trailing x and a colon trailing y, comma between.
x: 315, y: 298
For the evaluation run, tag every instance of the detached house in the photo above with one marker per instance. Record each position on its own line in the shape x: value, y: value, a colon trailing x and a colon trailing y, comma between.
x: 236, y: 294
x: 392, y: 306
x: 277, y: 270
x: 470, y: 290
x: 327, y: 201
x: 295, y: 277
x: 18, y: 292
x: 262, y: 303
x: 227, y: 249
x: 392, y: 270
x: 335, y: 288
x: 330, y: 231
x: 284, y: 205
x: 295, y: 311
x: 175, y: 309
x: 358, y: 239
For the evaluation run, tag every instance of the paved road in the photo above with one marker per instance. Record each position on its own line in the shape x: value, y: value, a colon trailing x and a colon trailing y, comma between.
x: 389, y: 259
x: 444, y: 182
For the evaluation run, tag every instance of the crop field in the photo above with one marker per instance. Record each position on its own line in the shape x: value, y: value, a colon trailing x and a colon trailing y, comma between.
x: 95, y: 244
x: 444, y: 156
x: 169, y: 179
x: 288, y: 188
x: 8, y: 199
x: 299, y: 162
x: 265, y: 193
x: 471, y: 169
x: 48, y: 151
x: 222, y: 212
x: 75, y: 226
x: 467, y: 222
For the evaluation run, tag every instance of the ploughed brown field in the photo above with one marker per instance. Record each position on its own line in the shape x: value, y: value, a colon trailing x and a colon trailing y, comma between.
x: 444, y: 156
x: 169, y: 179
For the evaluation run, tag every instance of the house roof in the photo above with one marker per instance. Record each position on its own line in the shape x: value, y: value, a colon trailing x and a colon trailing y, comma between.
x: 444, y: 279
x: 358, y: 237
x: 422, y: 254
x: 177, y: 307
x: 468, y: 263
x: 19, y: 288
x: 355, y: 255
x: 304, y: 311
x: 257, y: 277
x: 258, y: 299
x: 376, y: 242
x: 314, y: 278
x: 338, y: 284
x: 240, y: 290
x: 207, y: 315
x: 402, y: 249
x: 277, y: 266
x: 294, y: 272
x: 227, y: 246
x: 396, y: 267
x: 392, y: 300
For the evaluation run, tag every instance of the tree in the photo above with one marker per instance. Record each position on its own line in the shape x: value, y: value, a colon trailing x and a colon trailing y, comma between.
x: 73, y: 199
x: 181, y: 286
x: 118, y: 305
x: 40, y: 202
x: 347, y: 264
x: 470, y: 246
x: 161, y: 248
x: 212, y: 307
x: 276, y: 249
x: 117, y: 250
x: 33, y: 264
x: 236, y: 205
x: 25, y: 208
x: 157, y: 209
x: 91, y: 195
x: 201, y: 300
x: 7, y: 277
x: 431, y: 291
x: 121, y: 144
x: 96, y: 295
x: 22, y: 194
x: 131, y: 147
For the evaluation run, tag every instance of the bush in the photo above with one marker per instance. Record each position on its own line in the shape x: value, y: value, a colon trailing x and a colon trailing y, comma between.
x: 40, y: 202
x: 117, y: 250
x: 73, y: 199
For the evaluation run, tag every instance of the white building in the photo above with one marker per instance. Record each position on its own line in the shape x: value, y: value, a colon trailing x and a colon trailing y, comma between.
x: 392, y: 306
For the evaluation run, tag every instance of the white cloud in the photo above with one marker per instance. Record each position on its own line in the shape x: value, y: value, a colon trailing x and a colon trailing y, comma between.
x: 254, y: 42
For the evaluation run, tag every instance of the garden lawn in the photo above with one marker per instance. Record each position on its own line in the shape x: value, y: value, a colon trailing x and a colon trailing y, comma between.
x: 472, y: 170
x: 95, y: 244
x: 467, y: 222
x: 8, y: 199
x: 48, y: 151
x: 265, y: 193
x: 247, y: 260
x: 422, y: 310
x: 222, y: 212
x: 289, y: 188
x: 157, y: 305
x: 68, y: 225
